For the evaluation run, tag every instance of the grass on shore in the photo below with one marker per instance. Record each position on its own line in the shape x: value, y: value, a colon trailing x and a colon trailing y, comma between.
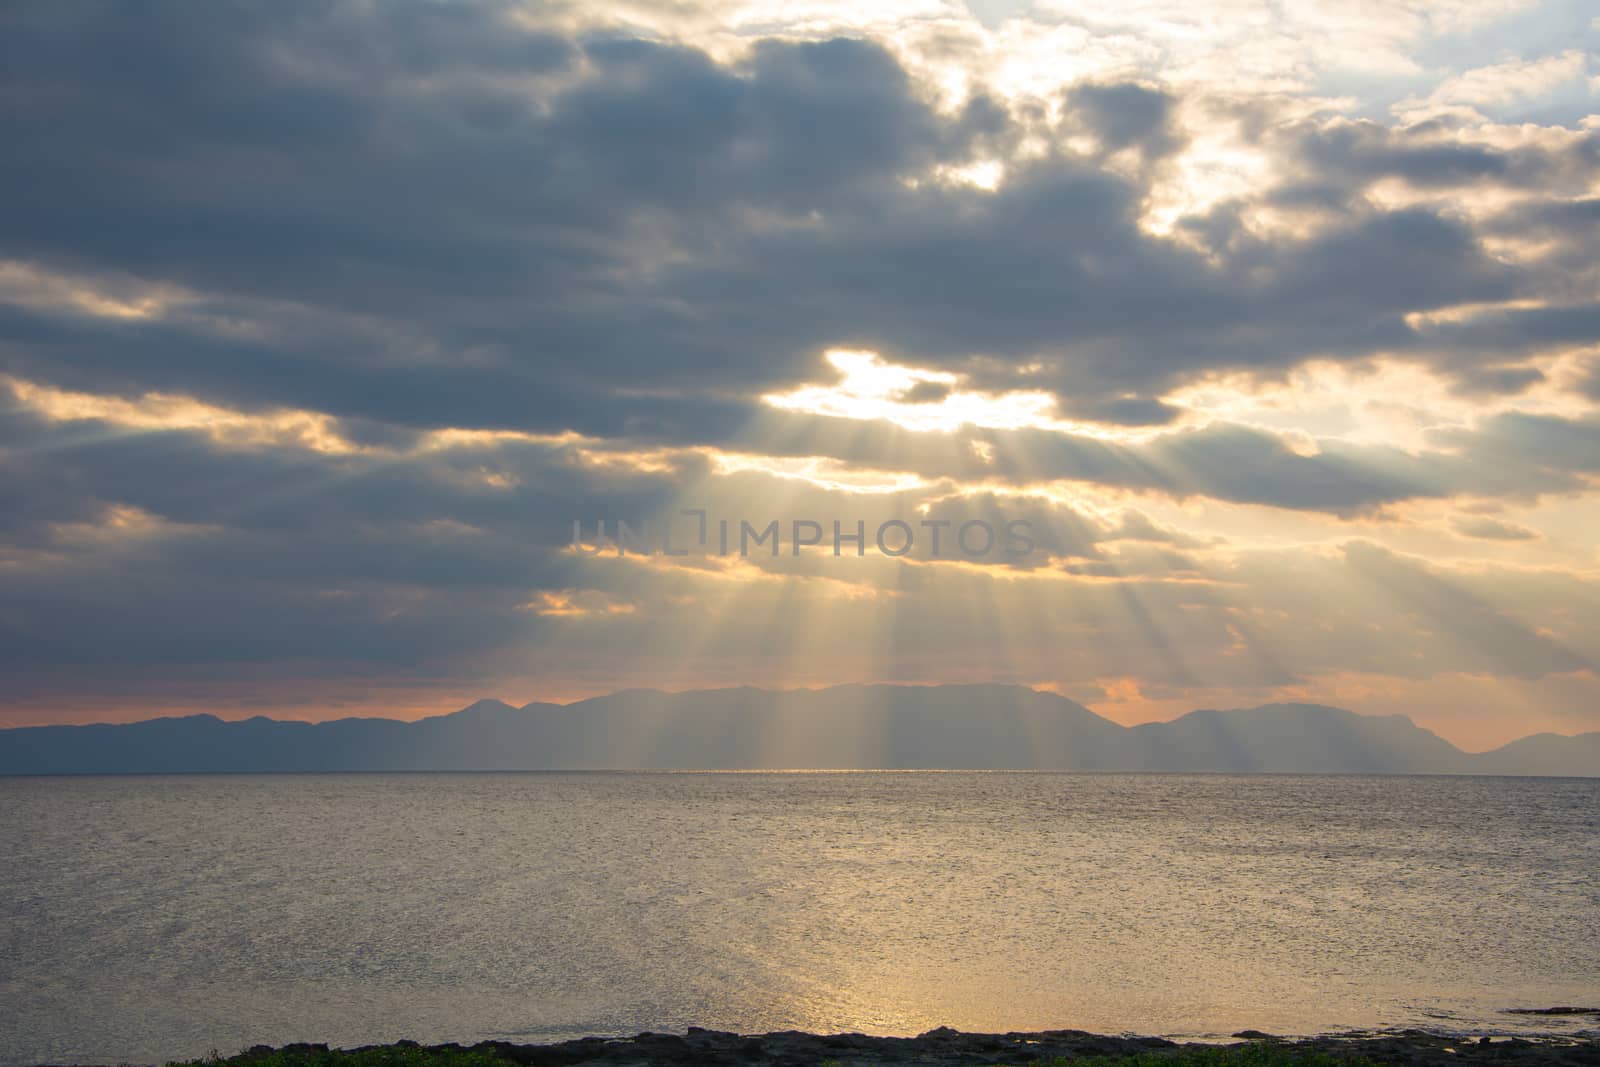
x: 382, y: 1056
x: 1256, y: 1054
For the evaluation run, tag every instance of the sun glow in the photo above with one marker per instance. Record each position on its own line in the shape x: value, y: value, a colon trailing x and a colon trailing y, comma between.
x: 819, y: 471
x: 168, y: 411
x: 912, y: 398
x: 576, y: 603
x: 29, y: 286
x: 1383, y: 402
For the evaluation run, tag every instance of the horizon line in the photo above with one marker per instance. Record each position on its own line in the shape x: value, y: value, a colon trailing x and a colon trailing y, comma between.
x: 793, y: 689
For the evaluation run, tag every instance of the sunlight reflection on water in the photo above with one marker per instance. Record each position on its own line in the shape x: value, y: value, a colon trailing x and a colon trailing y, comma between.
x: 152, y: 917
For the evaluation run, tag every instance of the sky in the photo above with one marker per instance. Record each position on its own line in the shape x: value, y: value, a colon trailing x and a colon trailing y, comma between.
x: 1278, y: 326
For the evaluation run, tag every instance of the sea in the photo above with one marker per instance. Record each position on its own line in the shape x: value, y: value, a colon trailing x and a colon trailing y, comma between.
x: 150, y: 918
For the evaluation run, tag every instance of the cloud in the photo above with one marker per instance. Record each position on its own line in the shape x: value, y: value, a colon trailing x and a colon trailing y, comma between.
x: 1127, y: 115
x: 1492, y: 529
x: 1499, y: 85
x: 316, y: 363
x: 517, y: 222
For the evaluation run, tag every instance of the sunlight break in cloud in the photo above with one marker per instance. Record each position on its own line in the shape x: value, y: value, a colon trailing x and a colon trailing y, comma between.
x: 325, y: 361
x: 870, y: 388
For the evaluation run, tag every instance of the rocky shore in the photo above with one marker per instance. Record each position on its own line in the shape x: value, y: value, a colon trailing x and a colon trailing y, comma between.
x: 710, y: 1048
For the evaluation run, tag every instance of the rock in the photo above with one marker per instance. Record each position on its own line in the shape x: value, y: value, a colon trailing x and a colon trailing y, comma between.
x: 940, y: 1033
x: 945, y: 1047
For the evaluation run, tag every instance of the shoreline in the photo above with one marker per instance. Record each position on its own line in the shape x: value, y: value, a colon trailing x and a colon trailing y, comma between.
x: 944, y: 1047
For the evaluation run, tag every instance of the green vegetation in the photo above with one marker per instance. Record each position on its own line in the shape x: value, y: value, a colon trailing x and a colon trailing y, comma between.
x: 1256, y: 1054
x: 381, y: 1056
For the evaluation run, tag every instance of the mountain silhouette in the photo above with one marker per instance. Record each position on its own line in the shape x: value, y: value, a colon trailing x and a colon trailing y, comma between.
x: 852, y: 726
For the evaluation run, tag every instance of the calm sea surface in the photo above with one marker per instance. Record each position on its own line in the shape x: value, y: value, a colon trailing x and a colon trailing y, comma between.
x: 143, y: 918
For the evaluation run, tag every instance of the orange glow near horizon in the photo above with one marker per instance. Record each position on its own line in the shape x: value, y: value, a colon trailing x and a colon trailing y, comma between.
x: 1514, y: 713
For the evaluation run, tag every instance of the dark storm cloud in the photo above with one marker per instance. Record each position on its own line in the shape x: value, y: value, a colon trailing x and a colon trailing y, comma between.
x: 1053, y: 269
x: 370, y: 377
x: 74, y: 472
x: 274, y: 553
x: 361, y: 159
x: 1430, y: 155
x: 527, y: 224
x: 1519, y: 331
x: 1512, y: 455
x: 168, y: 547
x: 415, y: 216
x: 1127, y: 115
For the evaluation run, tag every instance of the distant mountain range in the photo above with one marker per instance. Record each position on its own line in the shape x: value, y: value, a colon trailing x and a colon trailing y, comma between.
x: 855, y: 726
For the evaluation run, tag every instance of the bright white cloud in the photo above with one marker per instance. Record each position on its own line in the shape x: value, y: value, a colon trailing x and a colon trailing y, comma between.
x: 1516, y: 81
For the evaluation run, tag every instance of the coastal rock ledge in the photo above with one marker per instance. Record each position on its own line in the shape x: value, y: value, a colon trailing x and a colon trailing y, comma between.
x: 713, y: 1048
